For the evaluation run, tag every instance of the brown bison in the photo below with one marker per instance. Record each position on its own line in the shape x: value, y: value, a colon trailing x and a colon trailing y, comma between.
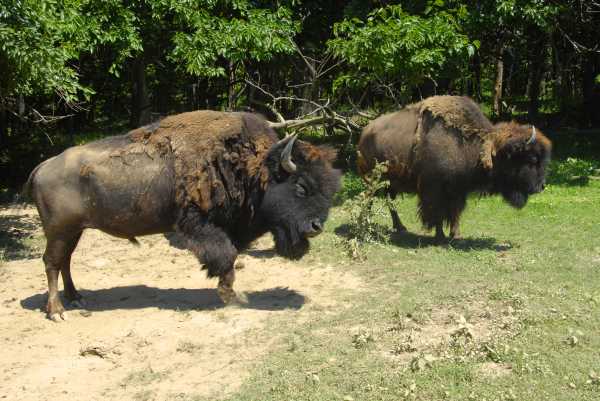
x: 220, y: 179
x: 444, y: 148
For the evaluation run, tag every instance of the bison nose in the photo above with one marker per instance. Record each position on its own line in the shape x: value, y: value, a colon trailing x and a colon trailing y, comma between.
x: 316, y: 227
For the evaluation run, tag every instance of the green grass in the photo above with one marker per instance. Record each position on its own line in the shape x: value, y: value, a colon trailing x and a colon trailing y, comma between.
x: 526, y: 280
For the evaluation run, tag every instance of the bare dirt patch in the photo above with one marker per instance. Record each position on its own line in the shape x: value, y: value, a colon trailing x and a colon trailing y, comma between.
x: 417, y: 341
x: 154, y: 327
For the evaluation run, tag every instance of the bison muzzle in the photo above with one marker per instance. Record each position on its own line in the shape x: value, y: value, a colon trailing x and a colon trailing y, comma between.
x: 444, y: 148
x: 220, y: 179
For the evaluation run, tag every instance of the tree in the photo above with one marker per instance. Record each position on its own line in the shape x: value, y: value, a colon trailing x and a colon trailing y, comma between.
x: 395, y: 52
x: 41, y: 41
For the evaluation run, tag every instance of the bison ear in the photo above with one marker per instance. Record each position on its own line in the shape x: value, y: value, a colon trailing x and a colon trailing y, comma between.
x: 279, y: 159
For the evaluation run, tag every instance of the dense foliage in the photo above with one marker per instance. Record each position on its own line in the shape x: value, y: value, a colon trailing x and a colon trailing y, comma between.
x: 88, y: 67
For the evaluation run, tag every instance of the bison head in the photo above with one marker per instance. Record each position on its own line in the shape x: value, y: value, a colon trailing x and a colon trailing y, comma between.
x: 521, y: 155
x: 299, y: 194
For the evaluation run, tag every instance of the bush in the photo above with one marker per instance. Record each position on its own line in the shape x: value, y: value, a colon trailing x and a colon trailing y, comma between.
x: 572, y: 171
x: 362, y: 210
x: 352, y: 185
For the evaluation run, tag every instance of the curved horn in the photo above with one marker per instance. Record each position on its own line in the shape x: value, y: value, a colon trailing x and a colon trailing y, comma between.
x: 533, y: 135
x: 286, y: 154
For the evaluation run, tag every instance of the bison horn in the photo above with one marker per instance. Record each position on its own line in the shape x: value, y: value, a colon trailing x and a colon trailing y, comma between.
x: 533, y: 135
x: 286, y: 155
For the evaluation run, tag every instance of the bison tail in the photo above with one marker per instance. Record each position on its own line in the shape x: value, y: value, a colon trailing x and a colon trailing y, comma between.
x: 133, y: 241
x: 26, y: 193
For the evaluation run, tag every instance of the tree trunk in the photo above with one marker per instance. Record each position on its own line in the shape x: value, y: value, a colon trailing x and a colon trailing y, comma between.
x: 591, y: 89
x: 140, y: 99
x: 21, y: 105
x: 537, y: 56
x: 3, y: 126
x: 561, y: 78
x: 231, y: 86
x: 477, y: 77
x: 497, y: 105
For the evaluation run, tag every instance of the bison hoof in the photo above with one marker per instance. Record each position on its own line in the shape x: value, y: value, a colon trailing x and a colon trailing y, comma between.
x: 401, y: 229
x: 58, y: 317
x: 240, y: 299
x: 231, y: 298
x: 227, y: 295
x: 440, y: 240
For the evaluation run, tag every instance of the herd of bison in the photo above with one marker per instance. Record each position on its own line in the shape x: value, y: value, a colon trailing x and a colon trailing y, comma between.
x: 224, y: 179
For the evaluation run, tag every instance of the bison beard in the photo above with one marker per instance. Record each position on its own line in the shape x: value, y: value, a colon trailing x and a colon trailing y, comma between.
x: 516, y: 199
x: 220, y: 179
x: 444, y: 148
x: 289, y: 244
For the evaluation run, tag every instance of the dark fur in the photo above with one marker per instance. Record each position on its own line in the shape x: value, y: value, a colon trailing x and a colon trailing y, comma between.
x: 443, y: 161
x: 214, y: 177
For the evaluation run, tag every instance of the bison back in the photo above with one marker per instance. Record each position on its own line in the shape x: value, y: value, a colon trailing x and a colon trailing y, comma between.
x: 390, y: 138
x: 120, y: 187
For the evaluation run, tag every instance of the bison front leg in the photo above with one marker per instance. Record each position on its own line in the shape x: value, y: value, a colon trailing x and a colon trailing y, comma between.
x: 215, y: 251
x: 455, y: 229
x: 225, y: 287
x: 456, y: 207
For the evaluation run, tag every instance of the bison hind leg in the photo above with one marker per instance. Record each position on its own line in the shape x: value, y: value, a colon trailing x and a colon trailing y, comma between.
x: 396, y: 222
x: 57, y: 259
x: 398, y: 226
x: 70, y: 292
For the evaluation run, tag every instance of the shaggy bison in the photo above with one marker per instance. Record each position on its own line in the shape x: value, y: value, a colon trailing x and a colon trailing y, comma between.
x: 220, y: 179
x: 443, y: 148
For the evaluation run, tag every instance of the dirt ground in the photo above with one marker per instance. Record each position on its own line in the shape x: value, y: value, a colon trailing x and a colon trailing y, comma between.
x: 153, y: 327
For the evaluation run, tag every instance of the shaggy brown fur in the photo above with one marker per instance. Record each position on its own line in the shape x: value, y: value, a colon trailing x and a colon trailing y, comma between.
x: 443, y: 148
x: 210, y: 155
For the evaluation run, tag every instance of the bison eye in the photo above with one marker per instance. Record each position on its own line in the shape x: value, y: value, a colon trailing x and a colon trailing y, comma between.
x: 300, y: 191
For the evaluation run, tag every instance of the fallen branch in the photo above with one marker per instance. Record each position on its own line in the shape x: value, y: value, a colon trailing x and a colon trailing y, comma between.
x: 295, y: 124
x: 328, y: 116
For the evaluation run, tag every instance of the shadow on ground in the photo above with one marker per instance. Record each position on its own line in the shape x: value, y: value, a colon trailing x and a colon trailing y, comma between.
x: 412, y: 241
x: 177, y: 299
x: 15, y: 230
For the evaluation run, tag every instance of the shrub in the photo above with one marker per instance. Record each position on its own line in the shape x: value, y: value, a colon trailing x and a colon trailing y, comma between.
x: 352, y: 185
x: 362, y: 210
x: 571, y: 171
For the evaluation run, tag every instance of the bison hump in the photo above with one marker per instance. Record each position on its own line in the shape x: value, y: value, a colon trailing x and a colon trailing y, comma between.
x: 215, y: 154
x: 457, y: 112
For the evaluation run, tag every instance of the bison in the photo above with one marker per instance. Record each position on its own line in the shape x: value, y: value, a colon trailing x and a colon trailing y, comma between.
x: 444, y: 148
x: 220, y: 179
